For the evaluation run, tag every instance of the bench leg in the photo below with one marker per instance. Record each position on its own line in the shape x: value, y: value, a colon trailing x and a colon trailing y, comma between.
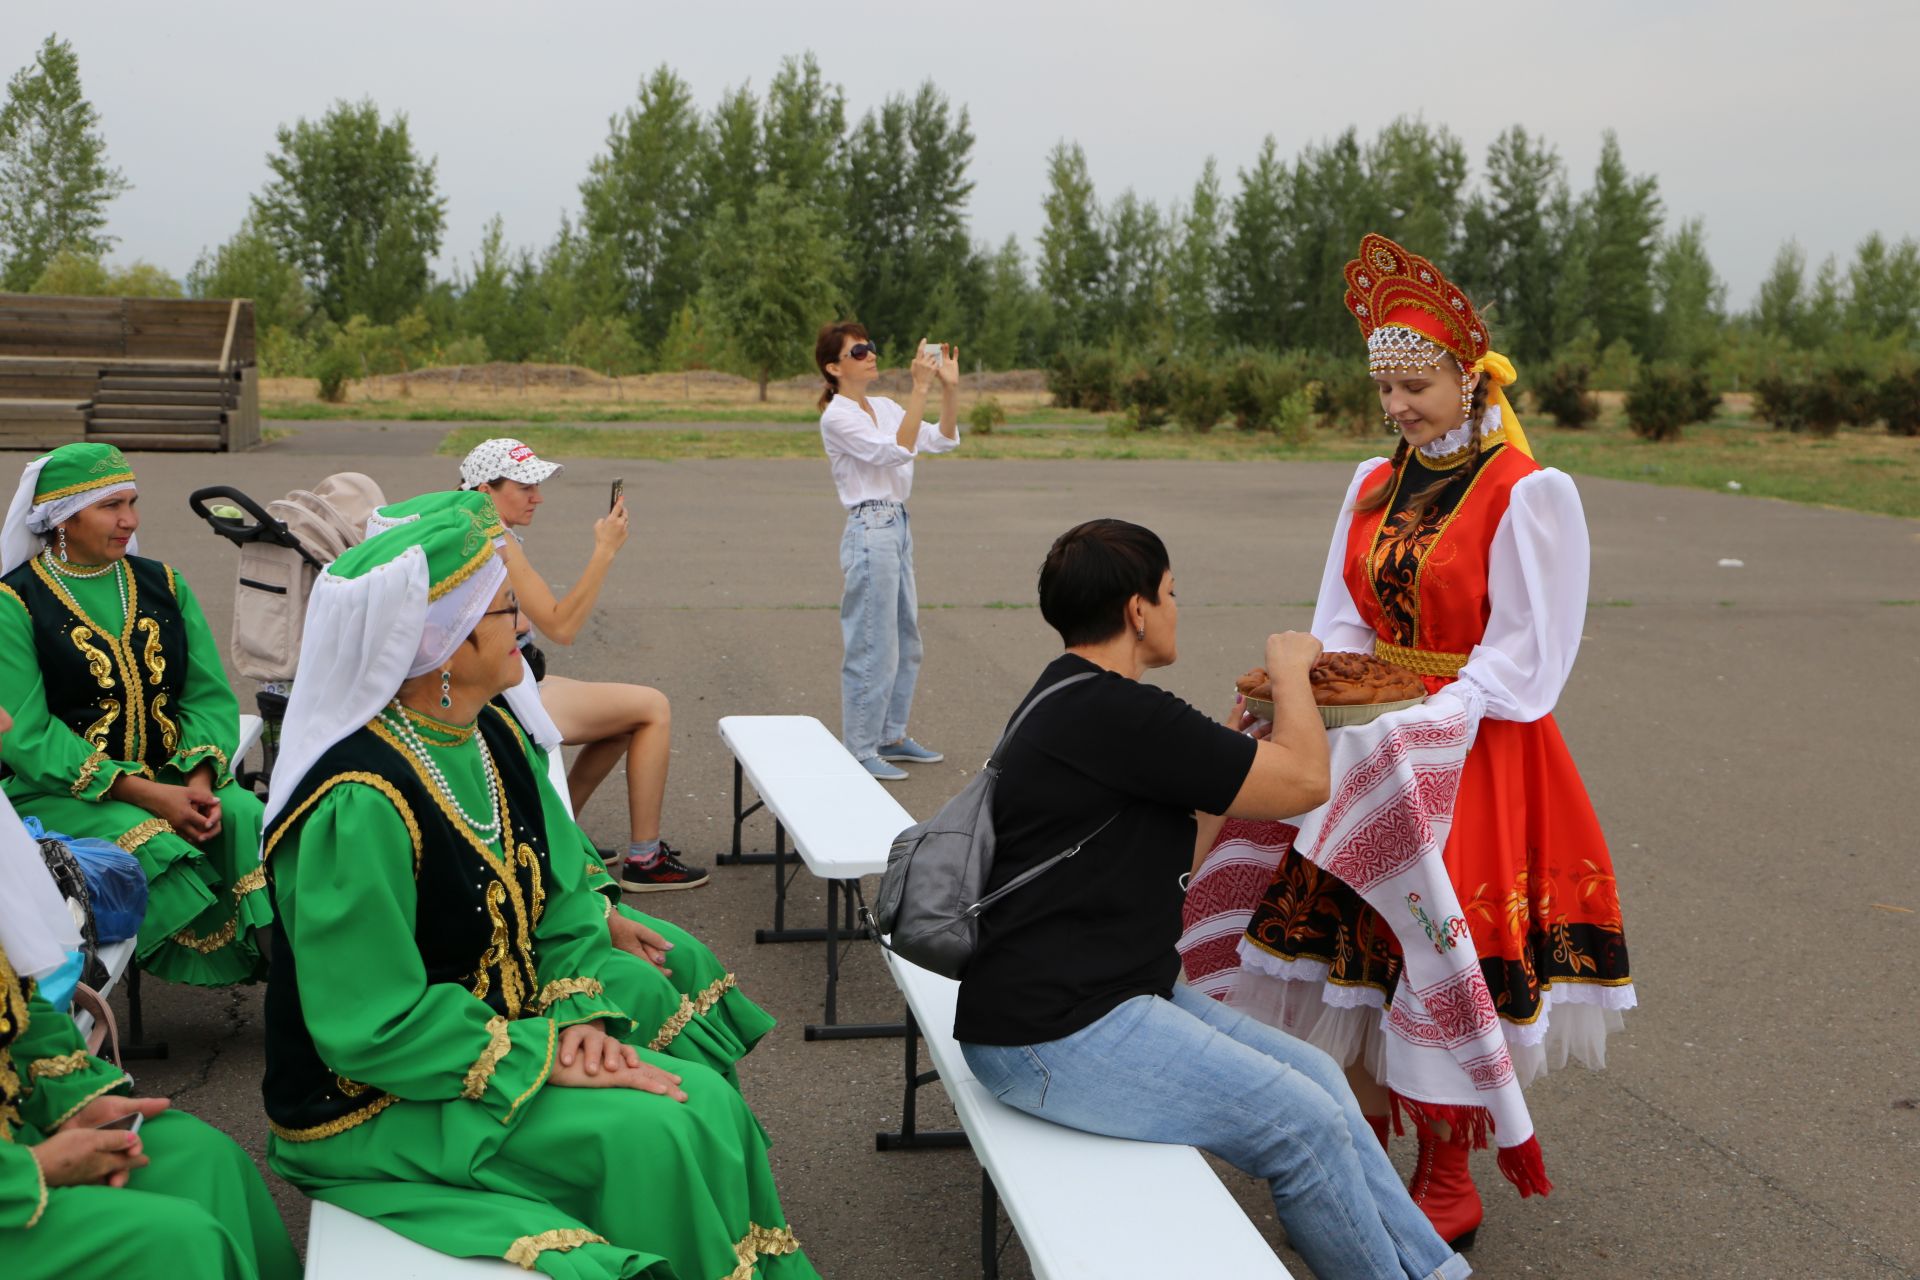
x: 989, y: 1228
x: 137, y: 1045
x: 909, y: 1137
x: 832, y: 1028
x: 735, y: 858
x: 780, y: 932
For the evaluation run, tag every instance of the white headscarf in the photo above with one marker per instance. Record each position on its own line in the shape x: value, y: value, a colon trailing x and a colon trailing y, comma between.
x: 36, y: 930
x: 27, y: 526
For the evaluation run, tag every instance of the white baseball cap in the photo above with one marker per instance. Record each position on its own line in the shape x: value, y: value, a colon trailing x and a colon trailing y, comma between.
x: 503, y: 459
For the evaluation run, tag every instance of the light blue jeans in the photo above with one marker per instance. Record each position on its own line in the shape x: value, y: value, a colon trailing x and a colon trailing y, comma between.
x: 879, y: 628
x: 1190, y: 1070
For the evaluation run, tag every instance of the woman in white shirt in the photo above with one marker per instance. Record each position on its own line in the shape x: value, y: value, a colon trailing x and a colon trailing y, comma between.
x: 871, y: 442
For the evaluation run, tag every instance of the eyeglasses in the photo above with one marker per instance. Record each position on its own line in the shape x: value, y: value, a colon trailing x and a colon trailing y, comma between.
x: 861, y: 350
x: 512, y: 607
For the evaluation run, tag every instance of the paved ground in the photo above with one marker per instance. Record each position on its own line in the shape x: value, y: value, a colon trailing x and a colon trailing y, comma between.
x: 1748, y: 734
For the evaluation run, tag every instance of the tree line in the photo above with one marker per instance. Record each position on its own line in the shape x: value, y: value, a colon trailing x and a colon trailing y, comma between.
x: 720, y: 236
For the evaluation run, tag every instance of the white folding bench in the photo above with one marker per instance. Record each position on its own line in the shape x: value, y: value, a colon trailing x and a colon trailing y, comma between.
x: 1085, y: 1206
x: 346, y: 1246
x: 841, y: 820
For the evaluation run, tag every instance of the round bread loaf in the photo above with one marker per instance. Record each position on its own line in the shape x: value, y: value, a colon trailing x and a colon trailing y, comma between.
x: 1360, y: 679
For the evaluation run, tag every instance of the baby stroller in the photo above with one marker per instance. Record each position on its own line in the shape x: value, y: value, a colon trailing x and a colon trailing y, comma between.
x: 283, y: 548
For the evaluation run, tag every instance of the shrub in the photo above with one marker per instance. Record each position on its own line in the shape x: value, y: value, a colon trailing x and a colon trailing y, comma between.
x: 1782, y: 401
x: 1899, y: 400
x: 1085, y: 378
x: 1346, y: 396
x: 1294, y: 414
x: 1562, y: 392
x: 1256, y: 384
x: 1147, y: 390
x: 1856, y: 398
x: 1199, y: 394
x: 1820, y: 400
x: 468, y: 348
x: 334, y: 367
x: 985, y: 415
x: 1665, y: 397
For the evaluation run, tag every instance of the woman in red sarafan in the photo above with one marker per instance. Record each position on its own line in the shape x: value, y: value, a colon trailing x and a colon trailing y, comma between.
x: 1466, y: 561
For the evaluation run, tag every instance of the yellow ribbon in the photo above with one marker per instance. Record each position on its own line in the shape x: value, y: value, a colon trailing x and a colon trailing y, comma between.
x: 1500, y: 371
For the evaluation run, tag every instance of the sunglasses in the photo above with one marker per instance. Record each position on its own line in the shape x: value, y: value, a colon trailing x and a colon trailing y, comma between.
x: 861, y: 350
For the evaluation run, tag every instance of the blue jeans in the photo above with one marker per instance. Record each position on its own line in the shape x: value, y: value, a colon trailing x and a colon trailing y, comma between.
x: 1190, y: 1070
x: 879, y: 629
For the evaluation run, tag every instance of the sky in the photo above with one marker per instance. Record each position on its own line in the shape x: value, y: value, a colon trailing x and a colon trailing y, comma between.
x: 1769, y: 119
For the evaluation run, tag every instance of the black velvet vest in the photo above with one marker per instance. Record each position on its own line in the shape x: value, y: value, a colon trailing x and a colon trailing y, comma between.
x: 474, y: 924
x: 118, y: 690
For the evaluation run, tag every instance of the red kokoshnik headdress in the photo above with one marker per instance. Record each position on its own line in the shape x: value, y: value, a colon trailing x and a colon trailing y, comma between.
x: 1410, y: 314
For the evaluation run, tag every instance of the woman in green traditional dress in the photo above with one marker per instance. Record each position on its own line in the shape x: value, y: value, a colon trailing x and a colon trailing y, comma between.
x: 124, y: 720
x: 178, y: 1198
x: 683, y: 1000
x: 443, y: 995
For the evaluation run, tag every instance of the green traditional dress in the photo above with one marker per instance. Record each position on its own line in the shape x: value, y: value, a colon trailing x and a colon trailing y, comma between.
x: 116, y: 672
x: 427, y: 961
x: 198, y: 1210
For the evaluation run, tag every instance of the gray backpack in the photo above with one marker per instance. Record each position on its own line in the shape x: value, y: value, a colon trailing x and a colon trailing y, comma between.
x: 933, y: 891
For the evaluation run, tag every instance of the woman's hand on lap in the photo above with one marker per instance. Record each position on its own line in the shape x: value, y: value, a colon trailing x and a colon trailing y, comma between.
x: 89, y: 1157
x: 636, y: 939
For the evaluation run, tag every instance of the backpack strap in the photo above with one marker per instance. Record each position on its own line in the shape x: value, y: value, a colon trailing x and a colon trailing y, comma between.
x: 993, y: 761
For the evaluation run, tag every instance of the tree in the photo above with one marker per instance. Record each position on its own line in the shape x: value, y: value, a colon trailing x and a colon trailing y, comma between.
x: 55, y: 183
x: 644, y: 198
x: 905, y: 216
x: 1257, y: 283
x: 1073, y: 253
x: 1194, y: 264
x: 1333, y: 203
x: 1690, y: 298
x: 494, y: 302
x: 76, y: 274
x: 249, y: 266
x: 1626, y: 214
x: 1133, y: 295
x: 731, y: 169
x: 803, y: 134
x: 355, y: 208
x: 1417, y: 177
x: 770, y: 287
x: 1782, y: 308
x: 1510, y: 261
x: 1883, y: 287
x: 1006, y: 335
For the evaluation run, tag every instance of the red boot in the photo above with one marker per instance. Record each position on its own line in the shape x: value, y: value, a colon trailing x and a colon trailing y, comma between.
x: 1443, y: 1188
x: 1379, y: 1124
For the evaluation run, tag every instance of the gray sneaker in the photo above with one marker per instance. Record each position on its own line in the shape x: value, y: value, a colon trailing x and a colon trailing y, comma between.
x: 907, y: 751
x: 880, y: 769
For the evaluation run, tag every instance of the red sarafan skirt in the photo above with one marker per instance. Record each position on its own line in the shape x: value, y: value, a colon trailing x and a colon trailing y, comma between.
x: 1536, y: 885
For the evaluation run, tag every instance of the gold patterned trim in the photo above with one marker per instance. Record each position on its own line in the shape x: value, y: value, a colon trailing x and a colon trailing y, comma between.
x: 337, y: 1125
x: 704, y: 1002
x: 373, y: 780
x: 121, y: 645
x: 527, y: 1248
x: 63, y: 1065
x: 89, y: 769
x: 212, y: 942
x: 562, y: 989
x: 546, y: 1069
x: 1426, y: 662
x: 252, y: 882
x: 1450, y: 461
x: 41, y: 1206
x: 81, y: 1105
x: 134, y: 837
x: 499, y: 1042
x: 461, y: 574
x: 187, y: 758
x: 761, y: 1242
x: 692, y: 1007
x: 54, y: 495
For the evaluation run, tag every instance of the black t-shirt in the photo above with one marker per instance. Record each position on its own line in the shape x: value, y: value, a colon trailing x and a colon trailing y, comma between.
x: 1060, y: 953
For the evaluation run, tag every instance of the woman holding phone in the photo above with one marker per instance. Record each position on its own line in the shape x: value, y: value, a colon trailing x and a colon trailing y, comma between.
x: 871, y: 442
x: 608, y: 721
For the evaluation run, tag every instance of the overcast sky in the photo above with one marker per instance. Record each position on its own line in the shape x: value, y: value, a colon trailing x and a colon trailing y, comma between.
x: 1770, y: 119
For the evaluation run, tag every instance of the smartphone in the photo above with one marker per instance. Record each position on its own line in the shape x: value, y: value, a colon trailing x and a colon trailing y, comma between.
x: 619, y: 491
x: 130, y: 1122
x: 933, y: 347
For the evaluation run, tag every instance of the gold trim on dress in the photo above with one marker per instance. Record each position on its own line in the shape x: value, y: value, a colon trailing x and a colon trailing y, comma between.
x: 546, y: 1069
x: 673, y: 1026
x: 523, y: 1252
x: 132, y: 838
x: 252, y: 882
x: 151, y: 652
x: 337, y: 1125
x: 96, y: 734
x: 119, y: 1079
x: 189, y: 757
x: 54, y: 495
x: 1426, y: 662
x: 63, y: 1065
x: 169, y: 731
x: 212, y: 942
x: 704, y: 1002
x: 373, y: 780
x: 99, y: 666
x: 41, y: 1206
x: 461, y: 574
x: 761, y: 1242
x: 498, y: 1043
x: 6, y: 590
x: 563, y: 989
x: 89, y: 768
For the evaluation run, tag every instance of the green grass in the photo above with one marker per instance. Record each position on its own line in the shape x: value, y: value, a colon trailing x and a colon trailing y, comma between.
x: 634, y: 411
x: 1857, y: 470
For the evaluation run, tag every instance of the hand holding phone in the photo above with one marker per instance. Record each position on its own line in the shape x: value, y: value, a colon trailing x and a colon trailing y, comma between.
x: 130, y: 1122
x: 619, y: 491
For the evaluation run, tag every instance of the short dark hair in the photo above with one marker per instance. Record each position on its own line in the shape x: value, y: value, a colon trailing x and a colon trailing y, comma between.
x: 1090, y: 573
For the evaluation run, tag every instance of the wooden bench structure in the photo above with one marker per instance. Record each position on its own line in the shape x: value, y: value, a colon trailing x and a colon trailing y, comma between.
x: 140, y: 373
x: 1084, y: 1205
x: 841, y: 821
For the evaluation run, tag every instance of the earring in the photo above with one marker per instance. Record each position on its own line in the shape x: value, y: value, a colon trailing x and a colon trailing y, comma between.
x: 446, y: 688
x: 1393, y: 424
x: 1466, y: 397
x: 1139, y: 633
x: 63, y: 544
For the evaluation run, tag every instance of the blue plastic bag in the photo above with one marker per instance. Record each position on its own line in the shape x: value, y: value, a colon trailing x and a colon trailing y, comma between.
x: 56, y: 988
x: 116, y: 886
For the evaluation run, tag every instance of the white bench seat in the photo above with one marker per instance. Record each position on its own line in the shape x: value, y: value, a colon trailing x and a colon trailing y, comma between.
x: 1084, y: 1205
x: 346, y: 1246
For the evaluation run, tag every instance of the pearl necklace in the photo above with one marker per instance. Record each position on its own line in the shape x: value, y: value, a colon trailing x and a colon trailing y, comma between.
x: 395, y: 718
x: 67, y: 571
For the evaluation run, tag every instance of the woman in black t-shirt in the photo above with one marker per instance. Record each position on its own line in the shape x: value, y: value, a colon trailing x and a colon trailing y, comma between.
x: 1069, y: 1010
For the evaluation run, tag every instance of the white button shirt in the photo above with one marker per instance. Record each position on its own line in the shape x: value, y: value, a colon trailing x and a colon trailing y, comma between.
x: 868, y: 462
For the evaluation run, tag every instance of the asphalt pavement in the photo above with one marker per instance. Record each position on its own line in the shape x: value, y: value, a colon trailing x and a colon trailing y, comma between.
x: 1743, y: 711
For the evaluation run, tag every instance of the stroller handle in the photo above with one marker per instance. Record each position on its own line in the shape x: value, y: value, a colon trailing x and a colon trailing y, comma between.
x: 264, y: 528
